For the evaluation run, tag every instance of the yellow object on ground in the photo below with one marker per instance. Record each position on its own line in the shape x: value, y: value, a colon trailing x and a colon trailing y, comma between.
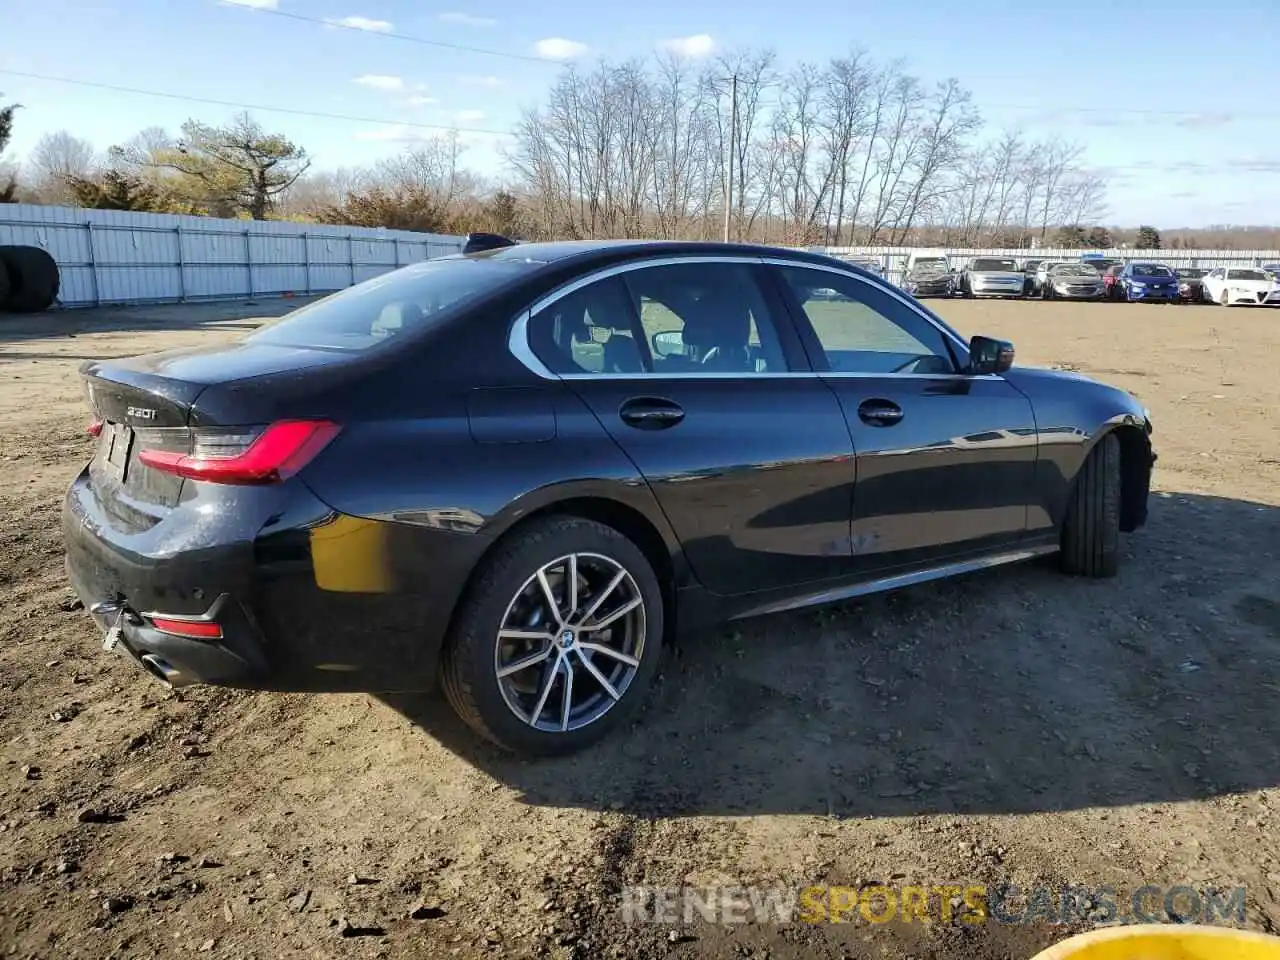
x: 1157, y: 941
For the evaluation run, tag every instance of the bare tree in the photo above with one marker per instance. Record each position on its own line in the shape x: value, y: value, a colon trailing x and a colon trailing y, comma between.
x: 56, y: 159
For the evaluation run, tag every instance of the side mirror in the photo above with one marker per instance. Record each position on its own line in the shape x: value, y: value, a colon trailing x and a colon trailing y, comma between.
x: 668, y: 343
x: 987, y: 355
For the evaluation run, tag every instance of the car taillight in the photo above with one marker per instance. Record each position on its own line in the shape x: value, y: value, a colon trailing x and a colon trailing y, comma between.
x: 95, y: 429
x: 278, y: 452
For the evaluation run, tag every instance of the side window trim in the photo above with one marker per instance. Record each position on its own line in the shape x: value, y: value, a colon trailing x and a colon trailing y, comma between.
x: 518, y: 340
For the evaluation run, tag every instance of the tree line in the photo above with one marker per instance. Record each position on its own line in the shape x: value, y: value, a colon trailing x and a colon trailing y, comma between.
x: 849, y: 151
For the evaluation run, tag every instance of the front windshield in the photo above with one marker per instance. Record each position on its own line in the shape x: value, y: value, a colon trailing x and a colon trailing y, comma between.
x: 1073, y: 270
x: 1246, y: 275
x: 1151, y: 270
x: 1191, y: 273
x: 409, y: 298
x: 994, y: 265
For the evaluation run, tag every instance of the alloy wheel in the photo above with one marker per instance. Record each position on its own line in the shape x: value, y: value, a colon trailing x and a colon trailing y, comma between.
x: 570, y: 642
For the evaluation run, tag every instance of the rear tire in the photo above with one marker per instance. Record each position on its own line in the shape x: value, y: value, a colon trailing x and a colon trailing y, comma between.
x: 509, y: 596
x: 33, y: 279
x: 1091, y: 530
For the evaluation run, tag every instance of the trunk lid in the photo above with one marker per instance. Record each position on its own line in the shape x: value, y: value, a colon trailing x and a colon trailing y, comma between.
x: 150, y: 403
x: 134, y: 411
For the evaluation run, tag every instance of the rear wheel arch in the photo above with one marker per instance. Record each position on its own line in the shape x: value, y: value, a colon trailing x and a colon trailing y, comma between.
x: 653, y: 538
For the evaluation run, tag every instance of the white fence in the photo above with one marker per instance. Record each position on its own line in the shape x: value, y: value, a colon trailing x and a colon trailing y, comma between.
x: 119, y: 257
x: 893, y: 260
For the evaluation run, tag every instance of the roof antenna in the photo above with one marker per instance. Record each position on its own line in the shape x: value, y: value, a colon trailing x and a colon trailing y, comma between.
x: 478, y: 242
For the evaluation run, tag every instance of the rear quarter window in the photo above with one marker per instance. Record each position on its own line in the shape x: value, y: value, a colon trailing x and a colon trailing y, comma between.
x: 411, y: 298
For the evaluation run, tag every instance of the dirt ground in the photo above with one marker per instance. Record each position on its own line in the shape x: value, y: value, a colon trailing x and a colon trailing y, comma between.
x: 1015, y: 726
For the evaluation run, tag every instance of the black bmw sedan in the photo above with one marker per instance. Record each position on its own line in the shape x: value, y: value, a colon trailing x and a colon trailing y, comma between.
x: 515, y: 473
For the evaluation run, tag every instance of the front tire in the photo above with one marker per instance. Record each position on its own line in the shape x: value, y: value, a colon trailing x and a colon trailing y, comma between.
x: 1091, y: 530
x: 557, y: 638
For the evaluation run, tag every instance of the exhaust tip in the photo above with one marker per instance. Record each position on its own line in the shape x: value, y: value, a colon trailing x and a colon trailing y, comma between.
x: 164, y: 671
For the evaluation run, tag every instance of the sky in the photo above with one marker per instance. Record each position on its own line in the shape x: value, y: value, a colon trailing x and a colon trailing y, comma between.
x: 1176, y: 102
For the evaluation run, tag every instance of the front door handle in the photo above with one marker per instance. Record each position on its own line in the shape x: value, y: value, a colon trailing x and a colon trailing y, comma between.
x: 879, y: 413
x: 651, y: 413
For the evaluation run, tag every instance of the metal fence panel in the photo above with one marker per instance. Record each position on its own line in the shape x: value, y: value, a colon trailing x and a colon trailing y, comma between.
x: 121, y: 257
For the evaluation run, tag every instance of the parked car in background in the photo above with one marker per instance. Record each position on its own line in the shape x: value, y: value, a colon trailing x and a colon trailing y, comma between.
x: 1273, y: 269
x: 930, y: 280
x: 1144, y: 281
x: 1191, y: 284
x: 870, y: 264
x: 922, y: 260
x: 1042, y: 275
x: 1073, y: 281
x: 1029, y: 268
x: 1111, y: 282
x: 516, y: 474
x: 991, y: 277
x: 1252, y: 286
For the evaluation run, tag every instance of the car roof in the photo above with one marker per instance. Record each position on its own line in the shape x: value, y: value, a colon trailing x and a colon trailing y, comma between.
x: 588, y: 251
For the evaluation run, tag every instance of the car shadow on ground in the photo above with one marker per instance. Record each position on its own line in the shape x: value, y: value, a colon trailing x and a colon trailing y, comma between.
x: 1015, y: 690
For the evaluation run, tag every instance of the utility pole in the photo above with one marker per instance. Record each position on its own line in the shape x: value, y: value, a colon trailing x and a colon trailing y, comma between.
x: 733, y: 134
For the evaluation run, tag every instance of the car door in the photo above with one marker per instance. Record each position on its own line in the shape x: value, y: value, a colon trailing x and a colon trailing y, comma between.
x: 695, y: 371
x: 1213, y: 283
x: 945, y: 461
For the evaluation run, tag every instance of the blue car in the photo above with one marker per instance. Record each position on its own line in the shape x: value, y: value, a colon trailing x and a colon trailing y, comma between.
x: 1148, y: 281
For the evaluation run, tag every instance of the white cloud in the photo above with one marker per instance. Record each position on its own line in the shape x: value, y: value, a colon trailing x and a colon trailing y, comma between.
x: 360, y: 23
x: 698, y: 45
x: 253, y: 4
x: 376, y: 81
x: 418, y: 100
x: 469, y: 116
x: 558, y: 48
x: 473, y: 80
x: 466, y: 20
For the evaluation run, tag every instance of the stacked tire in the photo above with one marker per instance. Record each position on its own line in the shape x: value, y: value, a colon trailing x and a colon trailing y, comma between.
x: 28, y: 280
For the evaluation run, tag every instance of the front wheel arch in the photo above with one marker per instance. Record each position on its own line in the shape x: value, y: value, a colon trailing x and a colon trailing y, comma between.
x: 1135, y: 470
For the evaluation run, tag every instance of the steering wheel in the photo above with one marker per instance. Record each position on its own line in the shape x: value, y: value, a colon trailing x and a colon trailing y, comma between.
x: 716, y: 353
x: 910, y: 363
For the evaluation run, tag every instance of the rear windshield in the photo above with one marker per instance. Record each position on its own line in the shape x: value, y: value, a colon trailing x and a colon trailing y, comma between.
x: 994, y: 265
x: 406, y: 299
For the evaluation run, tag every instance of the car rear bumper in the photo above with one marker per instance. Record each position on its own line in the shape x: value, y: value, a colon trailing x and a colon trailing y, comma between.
x: 308, y: 599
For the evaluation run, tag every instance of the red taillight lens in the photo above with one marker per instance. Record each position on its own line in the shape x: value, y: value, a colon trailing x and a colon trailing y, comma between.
x: 195, y: 629
x: 95, y: 428
x: 280, y: 451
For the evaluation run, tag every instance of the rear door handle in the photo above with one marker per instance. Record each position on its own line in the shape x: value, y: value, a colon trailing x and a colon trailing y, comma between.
x: 879, y: 413
x: 651, y: 413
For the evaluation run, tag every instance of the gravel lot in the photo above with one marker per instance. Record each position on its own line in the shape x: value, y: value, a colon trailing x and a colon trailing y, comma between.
x: 1015, y: 726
